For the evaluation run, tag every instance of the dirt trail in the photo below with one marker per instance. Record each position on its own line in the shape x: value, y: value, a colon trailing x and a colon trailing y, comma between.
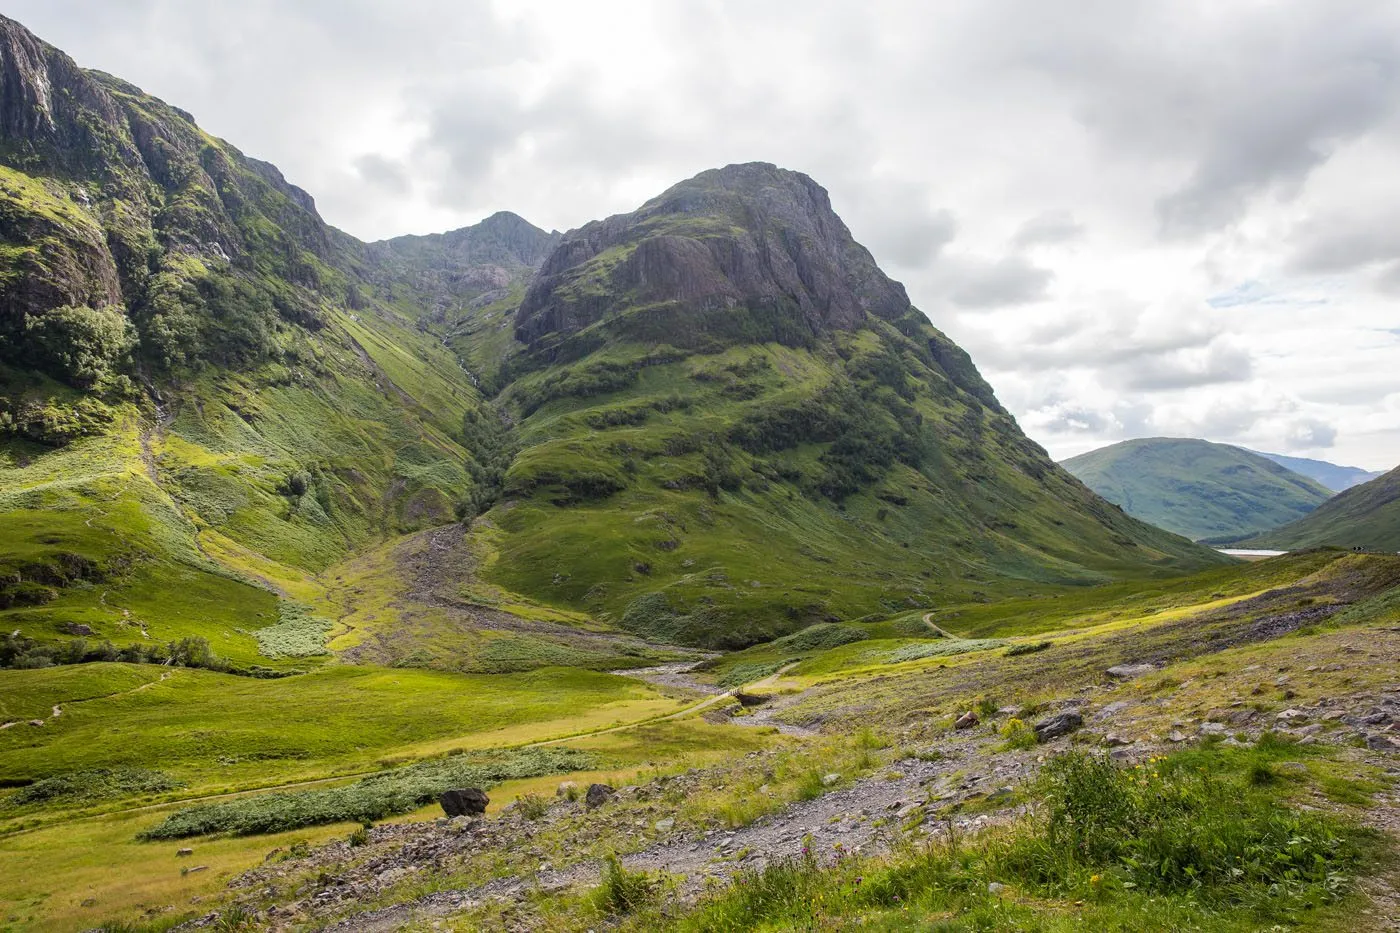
x: 940, y: 632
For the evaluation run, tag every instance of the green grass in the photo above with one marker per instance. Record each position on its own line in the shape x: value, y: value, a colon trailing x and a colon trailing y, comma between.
x: 1185, y: 842
x: 215, y: 731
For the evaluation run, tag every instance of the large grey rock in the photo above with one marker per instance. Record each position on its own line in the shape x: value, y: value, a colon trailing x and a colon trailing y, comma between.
x: 466, y: 801
x: 1058, y: 725
x: 1129, y: 671
x: 598, y: 794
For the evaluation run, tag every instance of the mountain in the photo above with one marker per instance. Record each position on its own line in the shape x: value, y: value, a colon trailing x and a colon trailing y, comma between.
x: 1334, y: 477
x: 1196, y: 488
x: 731, y: 424
x: 1365, y: 516
x: 207, y: 394
x: 711, y: 421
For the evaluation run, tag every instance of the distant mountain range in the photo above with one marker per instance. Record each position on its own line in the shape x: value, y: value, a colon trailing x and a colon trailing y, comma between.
x: 1334, y: 477
x: 1197, y: 488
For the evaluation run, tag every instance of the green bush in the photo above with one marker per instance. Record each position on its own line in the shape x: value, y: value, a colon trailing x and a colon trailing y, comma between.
x: 623, y: 891
x: 82, y: 346
x: 97, y: 784
x: 367, y: 800
x: 1027, y: 647
x: 297, y: 634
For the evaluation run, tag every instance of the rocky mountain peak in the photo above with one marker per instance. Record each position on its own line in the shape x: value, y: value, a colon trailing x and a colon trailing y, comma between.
x: 748, y: 249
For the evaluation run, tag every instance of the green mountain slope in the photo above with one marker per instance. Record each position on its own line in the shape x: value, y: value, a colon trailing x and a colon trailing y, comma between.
x: 1365, y: 516
x: 1334, y: 477
x: 1196, y: 488
x: 731, y: 424
x: 205, y: 392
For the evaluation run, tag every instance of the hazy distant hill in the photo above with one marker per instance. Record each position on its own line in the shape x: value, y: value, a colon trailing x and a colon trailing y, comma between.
x: 1334, y: 477
x: 1197, y: 488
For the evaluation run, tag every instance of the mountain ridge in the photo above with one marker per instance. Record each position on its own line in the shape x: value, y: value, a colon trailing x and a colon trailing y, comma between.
x: 1197, y: 488
x: 1365, y: 516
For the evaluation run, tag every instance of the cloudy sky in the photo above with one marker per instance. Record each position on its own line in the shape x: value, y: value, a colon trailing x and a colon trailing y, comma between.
x: 1141, y: 218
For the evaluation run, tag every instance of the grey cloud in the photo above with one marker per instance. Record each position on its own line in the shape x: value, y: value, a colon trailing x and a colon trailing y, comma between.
x: 383, y: 173
x: 1049, y: 228
x: 1310, y: 434
x: 1219, y: 363
x: 1251, y: 102
x: 979, y: 284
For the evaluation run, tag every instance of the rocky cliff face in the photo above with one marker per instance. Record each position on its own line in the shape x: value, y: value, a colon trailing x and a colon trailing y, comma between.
x: 110, y: 197
x: 752, y: 240
x: 470, y: 267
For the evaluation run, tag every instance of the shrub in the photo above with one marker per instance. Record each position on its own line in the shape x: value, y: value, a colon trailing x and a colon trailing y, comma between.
x: 77, y: 344
x: 623, y: 891
x: 297, y: 634
x: 100, y: 783
x: 1017, y: 734
x: 373, y: 798
x: 1166, y: 827
x: 532, y: 806
x: 1027, y: 647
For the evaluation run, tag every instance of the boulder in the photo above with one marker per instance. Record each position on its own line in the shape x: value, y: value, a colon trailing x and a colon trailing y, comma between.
x: 666, y: 825
x: 567, y: 789
x: 750, y: 699
x: 77, y: 628
x: 1292, y: 715
x: 1382, y: 743
x: 967, y: 720
x: 598, y: 794
x: 830, y: 780
x: 466, y: 801
x: 184, y: 853
x: 1129, y: 671
x: 1058, y: 725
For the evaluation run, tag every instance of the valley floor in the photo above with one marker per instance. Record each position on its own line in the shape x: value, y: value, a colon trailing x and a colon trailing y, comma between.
x: 1275, y: 680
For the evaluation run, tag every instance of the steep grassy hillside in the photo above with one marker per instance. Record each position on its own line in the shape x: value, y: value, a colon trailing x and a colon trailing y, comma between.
x: 731, y: 424
x: 1196, y: 488
x: 1334, y: 477
x: 1365, y: 516
x: 207, y: 395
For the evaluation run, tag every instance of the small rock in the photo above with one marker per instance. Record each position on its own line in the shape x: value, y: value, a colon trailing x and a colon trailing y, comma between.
x: 1114, y: 740
x: 830, y: 780
x: 967, y: 720
x: 191, y: 869
x: 1292, y: 715
x: 1129, y: 671
x: 1212, y: 728
x: 184, y: 853
x: 1306, y: 731
x: 995, y: 887
x: 1056, y: 726
x: 77, y: 628
x: 1381, y: 743
x: 665, y: 826
x: 465, y: 801
x: 36, y: 722
x: 1111, y: 710
x: 1176, y: 736
x: 567, y: 789
x: 598, y: 794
